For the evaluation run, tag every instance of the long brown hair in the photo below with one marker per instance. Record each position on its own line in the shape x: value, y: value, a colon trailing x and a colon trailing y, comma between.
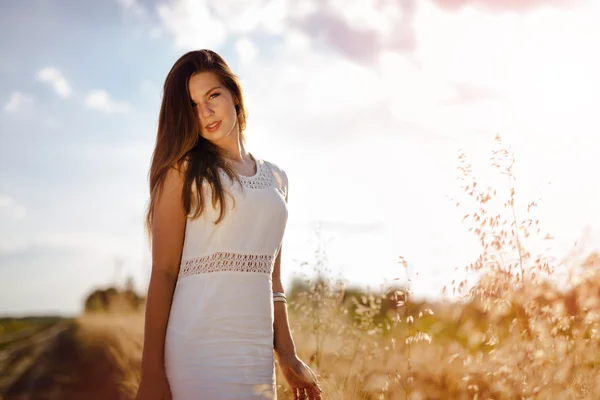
x: 178, y: 140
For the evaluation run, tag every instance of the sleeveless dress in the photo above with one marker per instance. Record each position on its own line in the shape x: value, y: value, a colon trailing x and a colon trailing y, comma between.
x: 219, y: 340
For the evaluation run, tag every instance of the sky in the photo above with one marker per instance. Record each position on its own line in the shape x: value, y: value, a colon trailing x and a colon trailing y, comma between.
x: 364, y: 104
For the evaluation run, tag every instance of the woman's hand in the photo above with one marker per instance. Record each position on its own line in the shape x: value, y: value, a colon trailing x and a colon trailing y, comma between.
x: 154, y: 387
x: 302, y: 380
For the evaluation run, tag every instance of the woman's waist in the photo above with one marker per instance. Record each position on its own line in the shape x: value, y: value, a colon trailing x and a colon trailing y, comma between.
x: 226, y: 261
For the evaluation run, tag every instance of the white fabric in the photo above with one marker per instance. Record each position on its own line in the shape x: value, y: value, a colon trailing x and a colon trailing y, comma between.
x: 219, y: 342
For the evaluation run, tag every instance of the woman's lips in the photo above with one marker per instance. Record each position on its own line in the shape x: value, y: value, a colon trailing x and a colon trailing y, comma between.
x: 213, y: 127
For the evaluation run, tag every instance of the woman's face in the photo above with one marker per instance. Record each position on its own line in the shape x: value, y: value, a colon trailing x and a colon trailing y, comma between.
x: 214, y: 105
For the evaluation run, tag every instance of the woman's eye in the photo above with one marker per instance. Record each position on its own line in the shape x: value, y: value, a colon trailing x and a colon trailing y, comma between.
x: 214, y: 94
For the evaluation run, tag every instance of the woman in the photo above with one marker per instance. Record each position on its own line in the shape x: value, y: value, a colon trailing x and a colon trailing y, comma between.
x: 215, y: 310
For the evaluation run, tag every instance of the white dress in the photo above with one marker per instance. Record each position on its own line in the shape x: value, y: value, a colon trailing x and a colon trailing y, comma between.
x: 219, y: 341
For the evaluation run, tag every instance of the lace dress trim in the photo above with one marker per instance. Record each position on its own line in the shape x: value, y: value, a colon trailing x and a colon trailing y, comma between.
x: 261, y: 180
x: 220, y: 261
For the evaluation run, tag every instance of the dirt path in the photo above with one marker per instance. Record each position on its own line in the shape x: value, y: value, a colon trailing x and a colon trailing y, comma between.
x: 69, y: 370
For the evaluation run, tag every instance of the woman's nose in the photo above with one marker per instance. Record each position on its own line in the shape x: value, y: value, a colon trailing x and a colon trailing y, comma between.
x: 206, y: 111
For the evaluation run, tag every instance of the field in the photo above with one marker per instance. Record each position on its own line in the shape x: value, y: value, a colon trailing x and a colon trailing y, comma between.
x: 536, y: 343
x: 47, y: 358
x: 516, y: 334
x: 22, y: 341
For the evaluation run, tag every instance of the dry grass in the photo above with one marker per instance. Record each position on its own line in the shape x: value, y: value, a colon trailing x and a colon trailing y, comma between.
x: 122, y: 334
x: 514, y: 335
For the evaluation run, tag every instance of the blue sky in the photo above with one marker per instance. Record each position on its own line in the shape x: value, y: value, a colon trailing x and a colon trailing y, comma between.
x: 364, y: 106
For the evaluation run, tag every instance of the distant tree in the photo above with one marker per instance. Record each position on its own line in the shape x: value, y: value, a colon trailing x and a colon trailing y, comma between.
x: 111, y: 299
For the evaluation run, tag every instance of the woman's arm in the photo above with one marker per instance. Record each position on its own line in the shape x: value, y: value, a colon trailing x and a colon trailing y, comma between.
x: 168, y: 231
x: 302, y: 380
x: 283, y: 341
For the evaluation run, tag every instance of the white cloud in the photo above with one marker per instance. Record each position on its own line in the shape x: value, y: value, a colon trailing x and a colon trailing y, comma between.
x: 100, y: 100
x: 10, y: 207
x: 18, y: 101
x: 272, y: 18
x: 520, y: 6
x: 208, y: 24
x: 297, y: 40
x: 192, y: 25
x: 246, y: 50
x: 315, y: 84
x: 133, y: 7
x: 56, y: 80
x: 541, y: 64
